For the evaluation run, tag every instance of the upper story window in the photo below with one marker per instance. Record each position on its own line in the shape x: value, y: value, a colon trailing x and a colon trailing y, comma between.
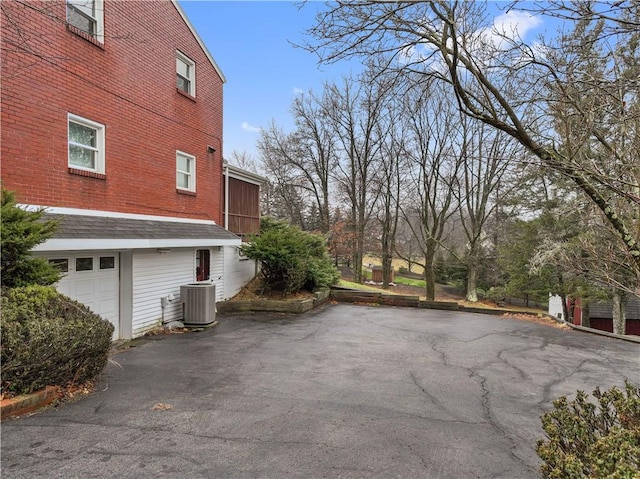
x: 185, y: 74
x: 185, y: 171
x: 86, y: 144
x: 87, y: 16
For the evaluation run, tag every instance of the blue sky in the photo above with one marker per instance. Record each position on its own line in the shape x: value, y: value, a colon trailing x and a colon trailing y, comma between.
x: 251, y: 42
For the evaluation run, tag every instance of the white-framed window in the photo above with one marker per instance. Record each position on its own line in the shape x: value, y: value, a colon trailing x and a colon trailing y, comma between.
x: 185, y: 74
x: 185, y: 171
x: 88, y: 16
x: 86, y: 144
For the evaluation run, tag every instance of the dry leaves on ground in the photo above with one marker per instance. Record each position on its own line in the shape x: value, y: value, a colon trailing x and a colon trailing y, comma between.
x: 161, y: 330
x: 537, y: 319
x: 252, y: 290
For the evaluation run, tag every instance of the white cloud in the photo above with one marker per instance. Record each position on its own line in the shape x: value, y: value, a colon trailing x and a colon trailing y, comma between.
x: 505, y: 33
x: 511, y: 25
x: 247, y: 127
x: 298, y: 91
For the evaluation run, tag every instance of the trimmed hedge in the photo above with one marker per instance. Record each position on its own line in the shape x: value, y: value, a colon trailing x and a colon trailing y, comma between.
x: 593, y: 439
x: 49, y: 340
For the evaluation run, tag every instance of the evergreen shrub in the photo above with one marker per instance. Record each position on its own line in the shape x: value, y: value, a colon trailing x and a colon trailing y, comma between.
x: 21, y: 231
x: 49, y: 339
x: 291, y: 259
x: 496, y: 294
x: 593, y: 439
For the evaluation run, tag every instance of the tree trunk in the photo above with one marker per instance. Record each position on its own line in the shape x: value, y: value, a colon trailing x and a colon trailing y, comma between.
x: 585, y: 315
x: 472, y: 283
x: 358, y: 255
x: 386, y: 270
x: 387, y: 253
x: 429, y: 274
x: 619, y: 313
x: 357, y: 266
x: 565, y: 309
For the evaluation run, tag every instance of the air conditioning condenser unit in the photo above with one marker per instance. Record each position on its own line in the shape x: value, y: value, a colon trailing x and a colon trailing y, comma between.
x: 199, y: 303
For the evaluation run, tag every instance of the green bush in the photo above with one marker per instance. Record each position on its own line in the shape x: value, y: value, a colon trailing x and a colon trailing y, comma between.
x: 22, y: 230
x: 593, y: 439
x: 49, y: 340
x: 496, y: 294
x: 291, y: 259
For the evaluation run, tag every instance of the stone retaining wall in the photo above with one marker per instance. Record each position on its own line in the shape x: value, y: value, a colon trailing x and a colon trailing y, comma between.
x: 346, y: 296
x: 296, y: 306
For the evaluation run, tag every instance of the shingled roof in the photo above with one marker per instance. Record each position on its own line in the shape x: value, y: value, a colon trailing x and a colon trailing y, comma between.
x: 78, y: 226
x: 107, y: 232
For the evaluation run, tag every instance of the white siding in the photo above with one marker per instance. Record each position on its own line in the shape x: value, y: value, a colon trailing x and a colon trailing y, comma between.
x: 157, y: 275
x: 238, y: 271
x: 217, y: 271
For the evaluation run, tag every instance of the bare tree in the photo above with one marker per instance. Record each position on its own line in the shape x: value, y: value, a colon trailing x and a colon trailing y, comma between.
x: 408, y: 246
x: 307, y: 154
x: 486, y: 160
x: 434, y: 151
x: 354, y: 111
x: 393, y: 168
x: 512, y: 86
x: 288, y: 188
x: 244, y: 160
x: 318, y: 145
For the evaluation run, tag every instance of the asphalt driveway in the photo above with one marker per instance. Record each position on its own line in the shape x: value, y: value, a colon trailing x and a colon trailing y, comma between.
x: 346, y: 391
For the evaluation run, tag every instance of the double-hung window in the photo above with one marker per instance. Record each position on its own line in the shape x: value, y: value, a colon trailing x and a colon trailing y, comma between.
x: 86, y: 144
x: 185, y: 171
x: 185, y: 74
x: 87, y: 16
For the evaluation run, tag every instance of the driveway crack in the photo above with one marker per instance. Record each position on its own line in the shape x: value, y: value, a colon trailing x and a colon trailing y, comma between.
x: 493, y: 421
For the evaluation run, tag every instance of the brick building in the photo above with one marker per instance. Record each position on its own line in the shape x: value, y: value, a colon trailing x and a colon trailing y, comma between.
x: 112, y: 120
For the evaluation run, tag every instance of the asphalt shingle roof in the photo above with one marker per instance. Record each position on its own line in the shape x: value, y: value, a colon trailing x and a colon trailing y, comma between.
x: 99, y: 227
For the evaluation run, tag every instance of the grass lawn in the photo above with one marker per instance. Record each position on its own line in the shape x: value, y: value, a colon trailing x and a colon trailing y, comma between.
x: 365, y: 287
x: 397, y: 263
x: 362, y: 287
x: 421, y: 283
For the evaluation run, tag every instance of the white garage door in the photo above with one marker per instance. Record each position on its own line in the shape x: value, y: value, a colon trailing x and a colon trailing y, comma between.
x: 92, y: 278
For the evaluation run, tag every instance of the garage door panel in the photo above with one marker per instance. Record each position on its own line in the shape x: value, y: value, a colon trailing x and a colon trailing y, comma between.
x: 108, y: 286
x: 85, y: 289
x: 109, y: 308
x: 98, y: 288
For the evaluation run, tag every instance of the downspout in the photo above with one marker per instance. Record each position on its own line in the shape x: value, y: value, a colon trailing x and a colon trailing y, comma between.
x: 226, y: 195
x: 225, y: 166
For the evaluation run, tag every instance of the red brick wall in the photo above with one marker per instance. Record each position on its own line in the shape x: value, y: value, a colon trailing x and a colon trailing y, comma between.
x: 128, y: 85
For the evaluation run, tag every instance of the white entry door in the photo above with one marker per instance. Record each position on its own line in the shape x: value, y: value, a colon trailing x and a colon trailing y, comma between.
x: 92, y: 278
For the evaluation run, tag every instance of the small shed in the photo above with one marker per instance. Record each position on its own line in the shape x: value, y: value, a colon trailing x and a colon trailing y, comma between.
x: 376, y: 274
